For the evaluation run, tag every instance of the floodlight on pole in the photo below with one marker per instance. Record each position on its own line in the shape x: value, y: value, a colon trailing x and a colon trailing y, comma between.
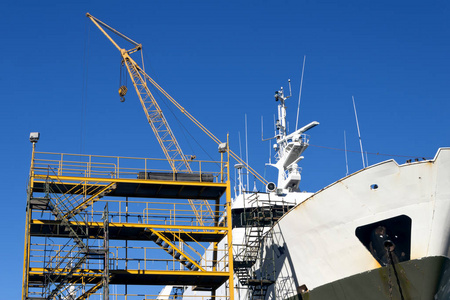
x: 34, y: 137
x: 222, y: 147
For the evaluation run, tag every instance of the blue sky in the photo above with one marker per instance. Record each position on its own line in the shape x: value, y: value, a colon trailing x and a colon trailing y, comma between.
x: 220, y: 60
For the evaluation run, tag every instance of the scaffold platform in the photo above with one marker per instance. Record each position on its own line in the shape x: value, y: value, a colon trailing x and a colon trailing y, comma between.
x: 100, y: 221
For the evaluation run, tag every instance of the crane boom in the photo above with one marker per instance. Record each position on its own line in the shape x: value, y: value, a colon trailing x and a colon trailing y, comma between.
x: 155, y: 117
x: 154, y: 114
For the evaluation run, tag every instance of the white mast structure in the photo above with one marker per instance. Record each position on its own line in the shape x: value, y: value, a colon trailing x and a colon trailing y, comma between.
x: 288, y: 148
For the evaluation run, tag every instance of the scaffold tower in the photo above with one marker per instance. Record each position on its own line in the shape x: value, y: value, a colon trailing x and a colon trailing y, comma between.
x: 104, y: 227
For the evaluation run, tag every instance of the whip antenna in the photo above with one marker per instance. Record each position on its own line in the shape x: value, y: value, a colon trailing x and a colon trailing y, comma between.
x: 359, y: 133
x: 300, y: 93
x: 345, y: 151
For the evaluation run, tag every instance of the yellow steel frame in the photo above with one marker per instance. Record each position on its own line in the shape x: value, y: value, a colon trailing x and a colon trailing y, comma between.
x: 26, y: 254
x: 162, y: 231
x: 230, y: 227
x: 166, y: 228
x: 98, y: 273
x: 103, y: 166
x: 116, y: 180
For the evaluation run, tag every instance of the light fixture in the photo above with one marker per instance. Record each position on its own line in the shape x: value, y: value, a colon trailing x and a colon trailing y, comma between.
x: 271, y: 187
x: 34, y: 137
x: 222, y: 147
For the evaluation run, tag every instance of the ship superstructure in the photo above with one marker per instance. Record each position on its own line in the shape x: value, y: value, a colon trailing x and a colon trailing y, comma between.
x: 289, y: 148
x: 380, y: 233
x: 254, y: 212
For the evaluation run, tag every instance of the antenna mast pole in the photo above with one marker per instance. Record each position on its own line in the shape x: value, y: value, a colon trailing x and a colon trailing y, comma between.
x: 359, y: 134
x: 246, y: 150
x: 345, y: 150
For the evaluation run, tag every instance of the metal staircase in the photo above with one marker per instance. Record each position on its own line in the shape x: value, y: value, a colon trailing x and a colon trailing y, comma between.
x: 261, y: 215
x: 65, y: 204
x: 175, y: 251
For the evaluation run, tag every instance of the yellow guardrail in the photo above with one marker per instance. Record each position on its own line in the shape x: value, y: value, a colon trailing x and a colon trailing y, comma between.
x: 140, y: 258
x: 154, y: 212
x: 92, y: 166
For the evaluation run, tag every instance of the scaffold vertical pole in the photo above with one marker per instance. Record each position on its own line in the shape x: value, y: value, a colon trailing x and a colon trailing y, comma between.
x: 229, y: 226
x: 26, y: 254
x: 106, y: 249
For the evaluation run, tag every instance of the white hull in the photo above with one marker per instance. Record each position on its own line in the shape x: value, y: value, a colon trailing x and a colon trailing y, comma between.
x: 315, y: 243
x: 320, y: 232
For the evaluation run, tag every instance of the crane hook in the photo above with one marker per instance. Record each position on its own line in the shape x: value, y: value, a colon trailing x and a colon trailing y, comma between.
x: 122, y: 92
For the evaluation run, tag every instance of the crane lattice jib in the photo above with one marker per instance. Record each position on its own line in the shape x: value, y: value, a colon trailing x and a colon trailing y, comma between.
x: 131, y: 65
x: 155, y: 117
x: 154, y: 114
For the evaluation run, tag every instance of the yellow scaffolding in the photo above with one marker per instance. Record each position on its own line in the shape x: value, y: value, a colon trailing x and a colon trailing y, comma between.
x: 95, y: 221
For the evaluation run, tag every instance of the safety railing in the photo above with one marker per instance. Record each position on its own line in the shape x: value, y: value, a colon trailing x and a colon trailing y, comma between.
x: 142, y: 296
x: 138, y: 258
x: 153, y: 211
x: 51, y: 256
x: 143, y: 258
x: 97, y: 166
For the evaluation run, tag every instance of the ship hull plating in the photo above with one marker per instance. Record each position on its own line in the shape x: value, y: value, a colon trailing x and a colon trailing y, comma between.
x: 422, y: 279
x: 348, y: 227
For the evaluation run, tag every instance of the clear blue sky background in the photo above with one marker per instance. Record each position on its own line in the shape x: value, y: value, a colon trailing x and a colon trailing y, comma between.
x: 220, y: 60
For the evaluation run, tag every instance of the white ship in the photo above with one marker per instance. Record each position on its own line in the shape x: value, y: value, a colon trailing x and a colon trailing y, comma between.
x: 380, y: 233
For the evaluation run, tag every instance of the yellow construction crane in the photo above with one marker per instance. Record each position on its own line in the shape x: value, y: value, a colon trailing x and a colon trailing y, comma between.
x: 155, y: 116
x: 178, y: 161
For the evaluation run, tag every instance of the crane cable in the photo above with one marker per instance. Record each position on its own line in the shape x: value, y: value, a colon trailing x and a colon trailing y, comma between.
x: 180, y: 124
x: 84, y: 82
x: 204, y: 129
